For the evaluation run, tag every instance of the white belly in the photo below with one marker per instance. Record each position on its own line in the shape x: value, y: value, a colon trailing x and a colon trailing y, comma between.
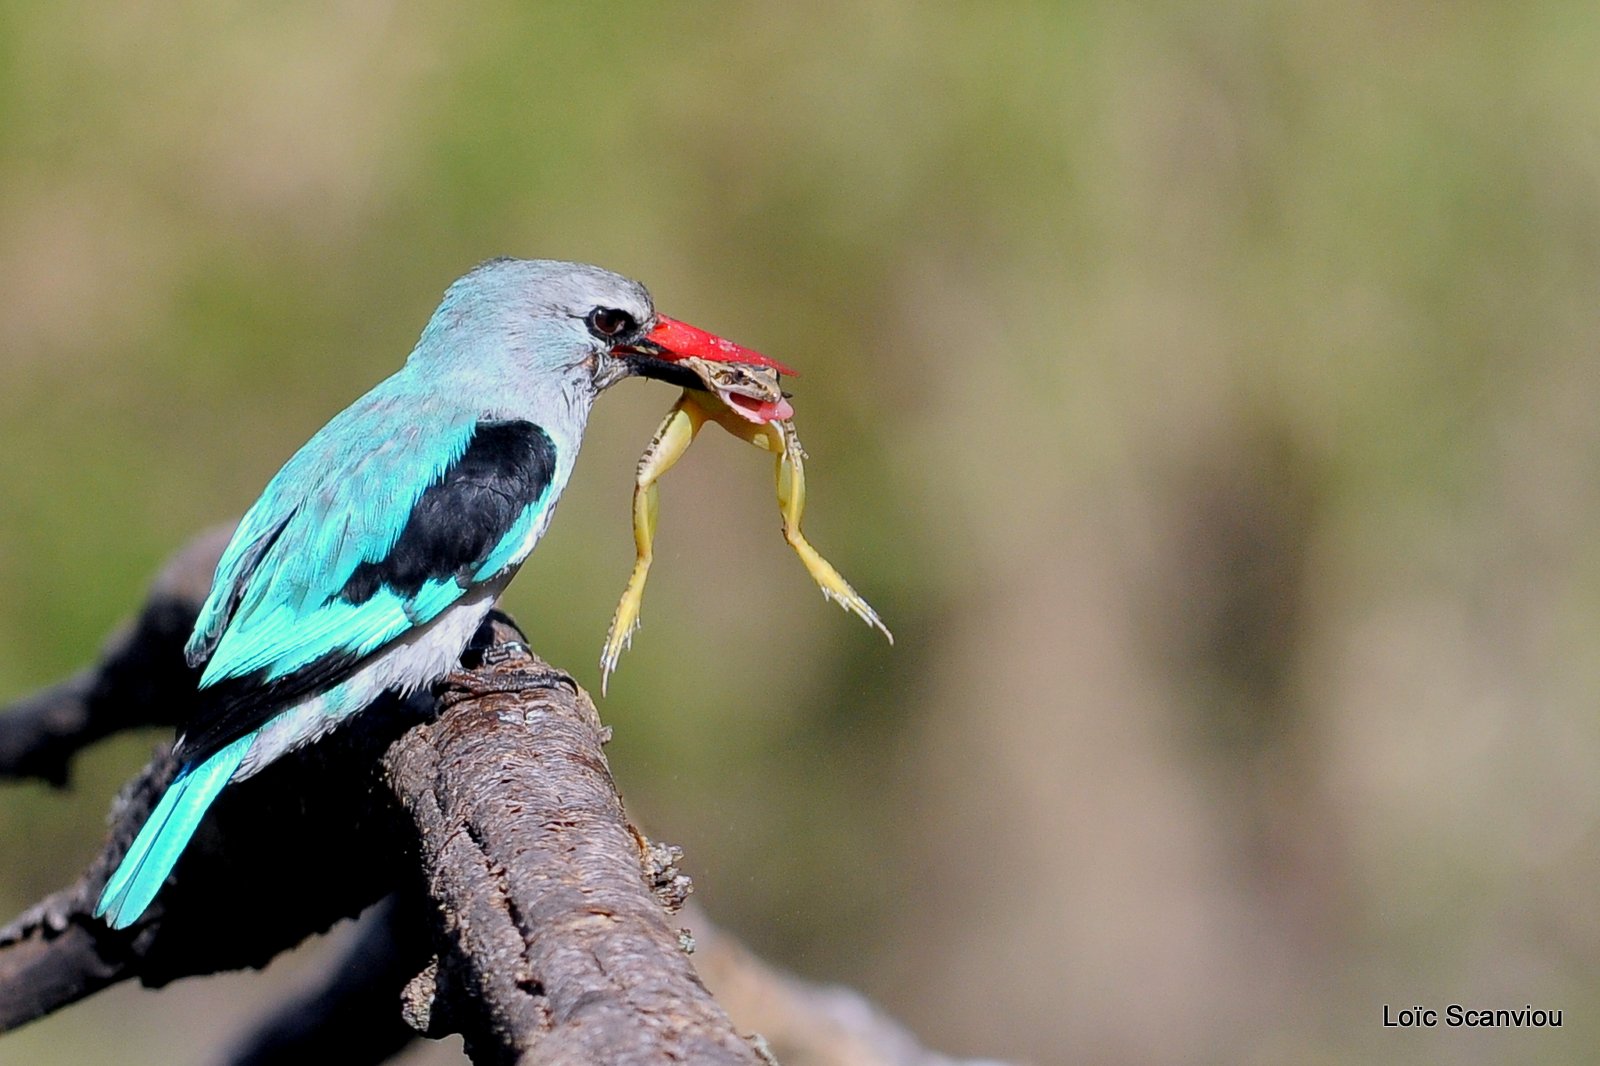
x: 419, y: 658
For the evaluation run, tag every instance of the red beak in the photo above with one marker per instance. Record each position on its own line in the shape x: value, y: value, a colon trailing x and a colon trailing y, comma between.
x: 678, y: 340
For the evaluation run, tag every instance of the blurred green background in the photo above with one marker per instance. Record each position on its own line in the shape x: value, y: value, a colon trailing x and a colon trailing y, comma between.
x: 1204, y: 394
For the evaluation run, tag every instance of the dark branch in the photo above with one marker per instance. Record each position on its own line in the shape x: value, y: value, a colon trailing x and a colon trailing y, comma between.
x: 240, y: 894
x: 141, y: 678
x: 352, y: 1016
x: 524, y: 911
x: 557, y: 939
x: 803, y: 1022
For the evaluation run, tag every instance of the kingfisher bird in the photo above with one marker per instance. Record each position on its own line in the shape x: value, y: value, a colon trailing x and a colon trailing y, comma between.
x: 373, y: 555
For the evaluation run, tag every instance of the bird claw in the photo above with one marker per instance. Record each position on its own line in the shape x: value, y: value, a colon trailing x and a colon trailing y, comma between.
x: 479, y: 655
x: 505, y: 652
x: 479, y: 670
x: 476, y: 682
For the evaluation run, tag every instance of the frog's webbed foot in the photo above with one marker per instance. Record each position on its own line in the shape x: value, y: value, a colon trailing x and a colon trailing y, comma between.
x: 781, y: 439
x: 677, y: 432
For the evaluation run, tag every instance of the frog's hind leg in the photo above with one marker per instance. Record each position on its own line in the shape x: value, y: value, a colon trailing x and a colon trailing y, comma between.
x: 677, y: 432
x: 792, y: 502
x: 780, y: 438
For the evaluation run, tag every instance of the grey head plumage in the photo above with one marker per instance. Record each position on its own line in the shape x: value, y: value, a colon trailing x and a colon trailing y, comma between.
x: 512, y: 324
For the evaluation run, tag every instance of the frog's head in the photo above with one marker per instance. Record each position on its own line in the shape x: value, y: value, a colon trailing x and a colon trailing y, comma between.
x: 751, y: 392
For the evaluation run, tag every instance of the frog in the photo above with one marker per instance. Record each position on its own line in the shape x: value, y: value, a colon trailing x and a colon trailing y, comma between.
x: 749, y: 403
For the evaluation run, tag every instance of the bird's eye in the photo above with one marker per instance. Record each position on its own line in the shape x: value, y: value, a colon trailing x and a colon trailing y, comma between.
x: 608, y: 323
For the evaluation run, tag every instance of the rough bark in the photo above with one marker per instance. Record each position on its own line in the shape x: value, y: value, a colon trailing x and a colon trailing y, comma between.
x: 555, y: 935
x: 516, y: 903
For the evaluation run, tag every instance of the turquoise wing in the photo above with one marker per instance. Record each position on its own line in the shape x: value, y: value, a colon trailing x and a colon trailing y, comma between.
x: 379, y: 524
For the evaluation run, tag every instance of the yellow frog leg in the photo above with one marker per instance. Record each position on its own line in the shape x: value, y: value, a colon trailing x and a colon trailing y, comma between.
x: 781, y: 439
x: 677, y: 432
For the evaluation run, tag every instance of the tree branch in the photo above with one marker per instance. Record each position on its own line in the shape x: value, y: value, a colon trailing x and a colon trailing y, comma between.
x: 141, y: 677
x: 523, y: 910
x: 555, y: 936
x: 238, y: 897
x: 352, y: 1015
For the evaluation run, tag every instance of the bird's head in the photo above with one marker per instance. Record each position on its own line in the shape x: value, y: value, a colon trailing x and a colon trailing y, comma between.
x: 543, y: 322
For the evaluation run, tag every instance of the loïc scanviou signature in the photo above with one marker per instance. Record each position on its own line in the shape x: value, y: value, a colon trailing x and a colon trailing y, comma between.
x: 1457, y: 1015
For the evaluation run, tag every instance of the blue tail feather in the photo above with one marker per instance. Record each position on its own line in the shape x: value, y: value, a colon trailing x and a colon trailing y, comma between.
x: 155, y: 850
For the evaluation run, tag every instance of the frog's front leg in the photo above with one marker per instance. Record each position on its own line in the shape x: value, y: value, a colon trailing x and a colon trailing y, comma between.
x: 781, y: 439
x: 677, y: 432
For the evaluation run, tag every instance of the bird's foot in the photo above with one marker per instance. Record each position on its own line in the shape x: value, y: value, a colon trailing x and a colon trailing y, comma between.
x: 479, y: 655
x: 504, y: 652
x: 479, y: 682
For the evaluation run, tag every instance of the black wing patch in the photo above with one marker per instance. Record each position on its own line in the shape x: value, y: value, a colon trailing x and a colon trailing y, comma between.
x: 230, y: 709
x: 456, y: 523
